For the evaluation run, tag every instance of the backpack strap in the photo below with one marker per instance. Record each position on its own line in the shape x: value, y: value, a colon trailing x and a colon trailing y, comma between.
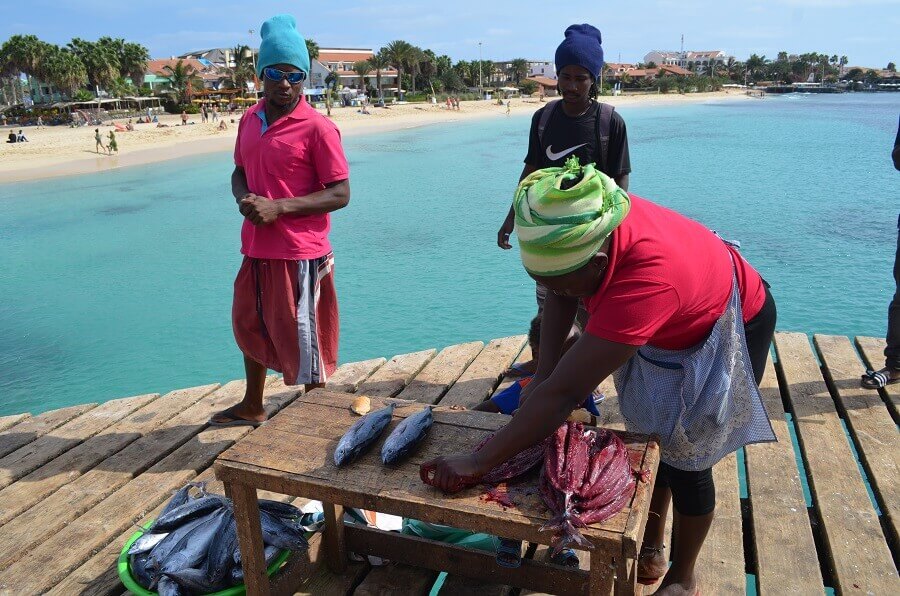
x: 603, y: 126
x: 545, y: 119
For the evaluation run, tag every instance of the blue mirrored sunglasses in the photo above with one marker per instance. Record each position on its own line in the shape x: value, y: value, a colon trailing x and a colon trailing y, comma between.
x: 294, y: 78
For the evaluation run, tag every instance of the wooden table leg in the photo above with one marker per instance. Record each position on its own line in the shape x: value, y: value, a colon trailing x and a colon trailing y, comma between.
x: 333, y: 537
x: 626, y: 577
x: 602, y: 582
x: 246, y: 515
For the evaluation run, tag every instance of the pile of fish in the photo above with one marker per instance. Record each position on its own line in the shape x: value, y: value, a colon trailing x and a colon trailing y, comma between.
x: 586, y: 479
x: 192, y: 547
x: 367, y: 430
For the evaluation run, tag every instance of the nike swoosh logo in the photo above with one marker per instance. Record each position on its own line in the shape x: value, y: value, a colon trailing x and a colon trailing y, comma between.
x: 554, y: 156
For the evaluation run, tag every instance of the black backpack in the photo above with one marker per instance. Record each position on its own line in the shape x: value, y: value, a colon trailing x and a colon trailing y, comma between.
x: 603, y: 124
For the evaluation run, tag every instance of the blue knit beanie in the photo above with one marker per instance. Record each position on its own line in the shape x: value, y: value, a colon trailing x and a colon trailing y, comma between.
x: 282, y: 44
x: 581, y: 47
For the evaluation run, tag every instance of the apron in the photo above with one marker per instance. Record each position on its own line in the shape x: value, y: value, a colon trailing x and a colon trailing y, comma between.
x: 703, y: 402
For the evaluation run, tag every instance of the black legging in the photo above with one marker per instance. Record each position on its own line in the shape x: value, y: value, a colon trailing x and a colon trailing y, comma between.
x: 694, y: 493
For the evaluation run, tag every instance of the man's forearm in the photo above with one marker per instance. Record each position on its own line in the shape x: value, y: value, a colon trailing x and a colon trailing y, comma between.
x: 239, y: 184
x: 622, y: 181
x: 324, y: 201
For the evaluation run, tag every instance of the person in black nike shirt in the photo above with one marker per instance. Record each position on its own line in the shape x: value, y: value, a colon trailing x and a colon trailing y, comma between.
x: 575, y: 125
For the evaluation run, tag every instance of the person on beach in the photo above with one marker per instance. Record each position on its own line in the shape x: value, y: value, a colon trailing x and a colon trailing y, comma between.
x: 215, y: 115
x: 203, y: 114
x: 21, y: 138
x: 678, y: 317
x: 11, y: 137
x: 290, y: 173
x: 890, y: 374
x: 113, y: 145
x: 577, y: 125
x: 40, y: 122
x: 184, y: 118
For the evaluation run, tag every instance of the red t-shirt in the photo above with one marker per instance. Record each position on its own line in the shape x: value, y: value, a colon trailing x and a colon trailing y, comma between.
x: 668, y: 281
x: 295, y: 156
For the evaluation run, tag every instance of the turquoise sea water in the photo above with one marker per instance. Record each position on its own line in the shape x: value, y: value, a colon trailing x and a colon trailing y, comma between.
x: 119, y: 283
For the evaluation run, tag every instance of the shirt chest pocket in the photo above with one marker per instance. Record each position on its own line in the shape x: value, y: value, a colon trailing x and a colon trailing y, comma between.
x: 284, y: 161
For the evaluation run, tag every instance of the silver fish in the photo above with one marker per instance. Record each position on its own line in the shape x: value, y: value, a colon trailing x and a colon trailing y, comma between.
x: 362, y: 435
x: 406, y: 436
x: 146, y: 543
x: 237, y: 572
x: 190, y: 510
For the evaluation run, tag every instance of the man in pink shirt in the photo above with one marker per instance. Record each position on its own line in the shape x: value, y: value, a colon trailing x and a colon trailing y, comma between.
x: 290, y: 173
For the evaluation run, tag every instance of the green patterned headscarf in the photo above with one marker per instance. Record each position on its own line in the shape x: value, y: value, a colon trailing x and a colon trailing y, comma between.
x: 561, y: 230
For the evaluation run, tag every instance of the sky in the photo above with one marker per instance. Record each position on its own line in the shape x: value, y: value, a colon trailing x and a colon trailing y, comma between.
x: 863, y: 30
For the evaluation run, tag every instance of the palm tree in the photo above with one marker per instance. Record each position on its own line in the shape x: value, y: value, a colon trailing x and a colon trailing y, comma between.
x: 362, y: 68
x: 519, y: 69
x: 64, y: 70
x: 379, y: 62
x: 464, y: 70
x: 842, y: 62
x: 100, y: 62
x: 183, y: 79
x: 133, y: 62
x: 398, y: 53
x: 313, y: 48
x: 23, y: 54
x: 755, y: 66
x: 242, y: 72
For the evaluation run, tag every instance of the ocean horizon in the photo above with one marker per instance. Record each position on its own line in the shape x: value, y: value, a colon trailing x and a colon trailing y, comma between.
x: 119, y: 283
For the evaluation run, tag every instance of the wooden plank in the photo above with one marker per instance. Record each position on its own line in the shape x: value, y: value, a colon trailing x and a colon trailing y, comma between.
x: 721, y: 563
x: 324, y: 581
x: 780, y: 521
x: 396, y: 579
x: 32, y: 428
x: 869, y: 423
x: 12, y: 420
x: 393, y: 376
x: 98, y: 576
x: 858, y: 552
x: 30, y: 457
x: 76, y: 497
x: 507, y: 380
x: 463, y: 561
x: 348, y: 377
x: 482, y: 376
x: 67, y: 467
x: 434, y: 380
x: 872, y: 351
x: 69, y: 547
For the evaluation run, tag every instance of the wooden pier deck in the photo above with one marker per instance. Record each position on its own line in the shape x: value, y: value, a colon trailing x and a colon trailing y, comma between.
x: 817, y: 510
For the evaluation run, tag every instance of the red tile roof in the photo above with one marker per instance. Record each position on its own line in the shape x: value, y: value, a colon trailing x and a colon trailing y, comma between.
x: 543, y: 81
x: 675, y: 70
x: 157, y: 67
x: 325, y: 56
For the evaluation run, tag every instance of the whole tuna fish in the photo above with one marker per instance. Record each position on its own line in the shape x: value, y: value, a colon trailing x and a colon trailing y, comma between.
x: 218, y: 559
x: 406, y: 436
x: 279, y: 509
x: 139, y: 569
x: 362, y: 435
x: 192, y: 509
x: 146, y: 543
x: 237, y: 572
x: 191, y: 550
x: 169, y: 587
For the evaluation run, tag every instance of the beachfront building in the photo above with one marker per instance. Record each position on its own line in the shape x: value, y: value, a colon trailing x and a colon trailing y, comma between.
x: 218, y: 57
x: 696, y: 61
x: 157, y: 76
x: 503, y: 71
x: 341, y: 61
x: 547, y: 85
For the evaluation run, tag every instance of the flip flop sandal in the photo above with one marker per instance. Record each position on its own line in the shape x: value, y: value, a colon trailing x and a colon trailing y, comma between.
x: 566, y: 558
x: 509, y: 553
x: 516, y: 370
x: 876, y: 379
x: 232, y: 420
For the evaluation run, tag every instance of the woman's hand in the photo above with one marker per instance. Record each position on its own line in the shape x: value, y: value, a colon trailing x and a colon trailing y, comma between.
x: 452, y: 473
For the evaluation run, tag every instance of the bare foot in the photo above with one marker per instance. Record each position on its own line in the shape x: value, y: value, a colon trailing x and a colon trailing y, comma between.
x: 688, y: 586
x: 652, y: 564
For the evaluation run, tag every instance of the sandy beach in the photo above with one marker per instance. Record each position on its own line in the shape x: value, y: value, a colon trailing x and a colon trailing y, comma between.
x: 61, y: 151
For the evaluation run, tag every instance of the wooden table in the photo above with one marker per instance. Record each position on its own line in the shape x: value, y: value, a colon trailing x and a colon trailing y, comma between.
x: 292, y: 454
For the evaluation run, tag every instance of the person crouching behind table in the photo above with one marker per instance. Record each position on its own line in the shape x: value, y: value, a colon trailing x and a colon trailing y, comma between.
x: 290, y: 173
x: 679, y: 318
